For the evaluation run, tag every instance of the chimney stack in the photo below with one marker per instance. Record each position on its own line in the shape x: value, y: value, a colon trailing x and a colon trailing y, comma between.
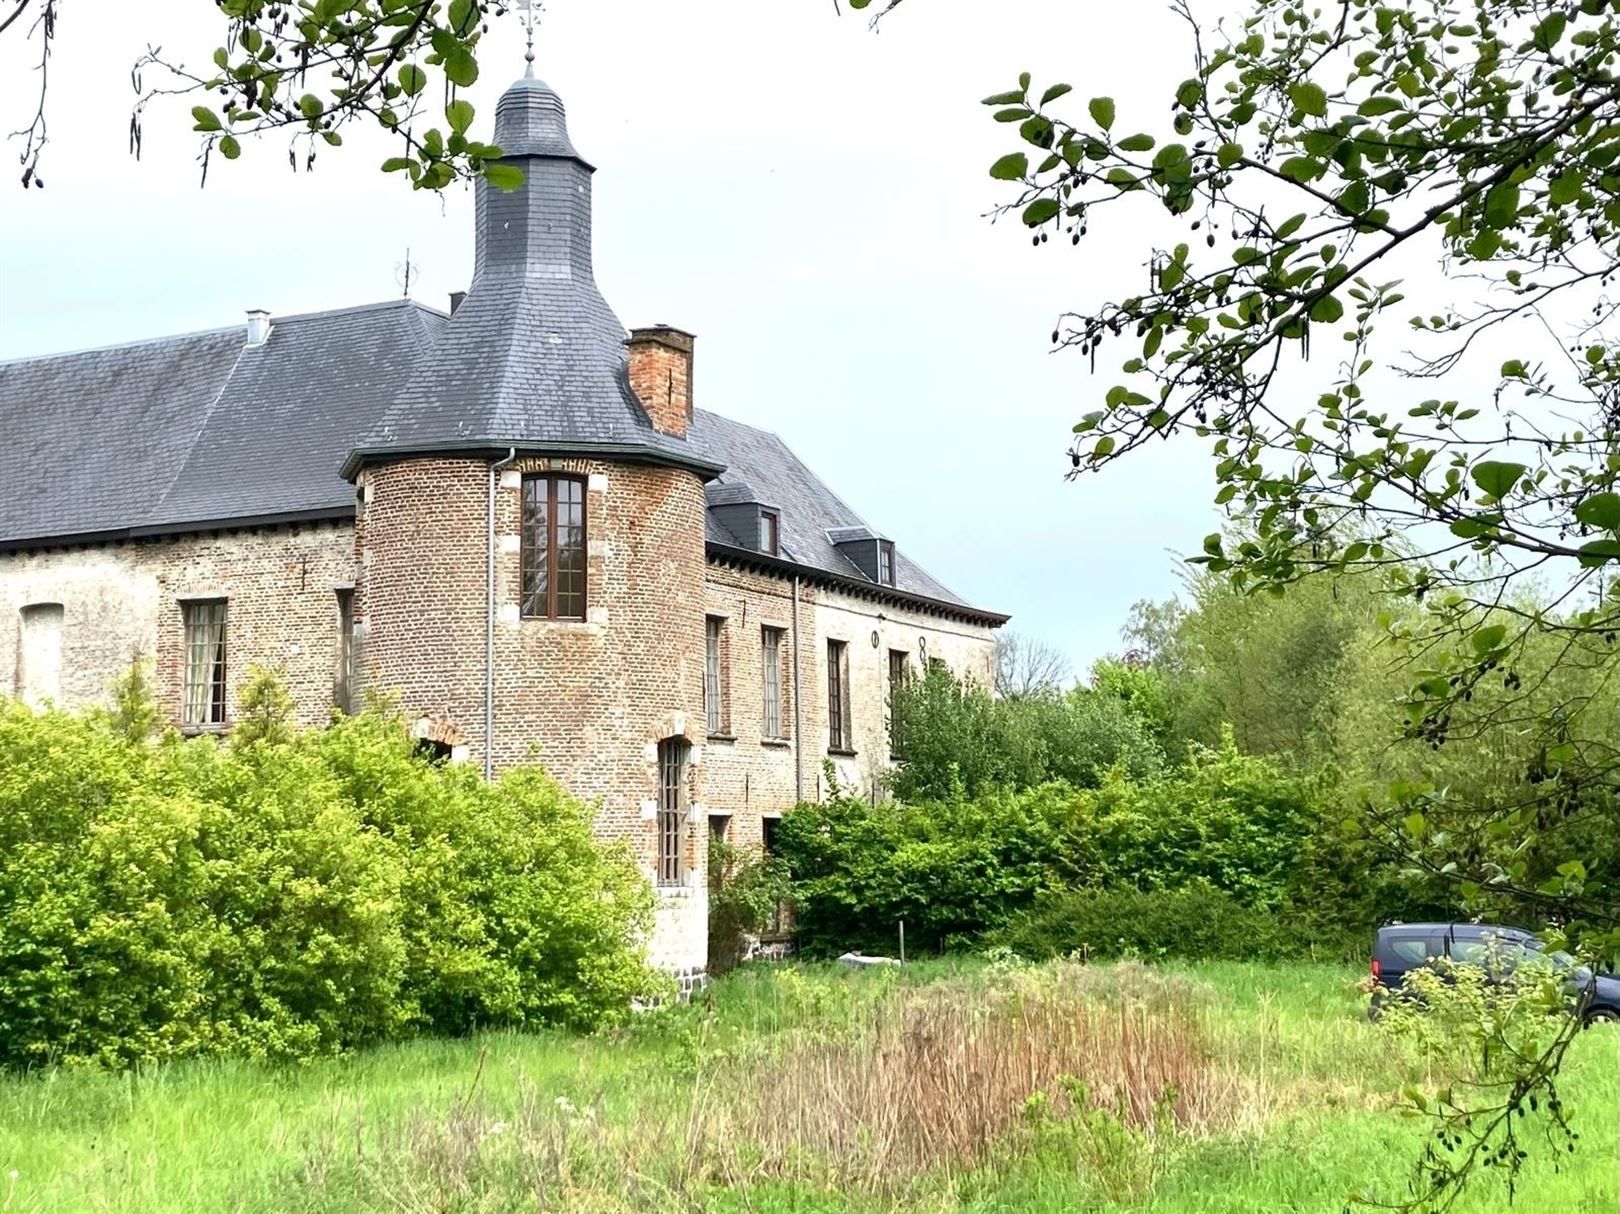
x: 661, y: 376
x: 258, y: 326
x: 457, y: 298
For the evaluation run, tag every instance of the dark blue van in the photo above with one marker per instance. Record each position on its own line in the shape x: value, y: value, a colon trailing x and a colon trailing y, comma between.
x: 1399, y: 948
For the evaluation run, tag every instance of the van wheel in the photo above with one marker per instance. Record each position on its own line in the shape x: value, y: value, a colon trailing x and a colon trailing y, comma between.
x: 1601, y: 1015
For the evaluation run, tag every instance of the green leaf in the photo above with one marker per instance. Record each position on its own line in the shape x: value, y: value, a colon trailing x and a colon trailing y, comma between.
x: 1102, y: 112
x: 1502, y: 205
x: 1374, y: 106
x: 1056, y: 91
x: 1041, y: 210
x: 503, y: 176
x: 1229, y: 154
x: 229, y: 147
x: 412, y: 79
x: 1327, y: 310
x: 1598, y: 552
x: 309, y: 105
x: 205, y: 118
x: 459, y: 114
x: 462, y: 16
x: 460, y: 67
x: 1012, y: 167
x: 1300, y: 168
x: 1601, y: 510
x: 1488, y: 638
x: 1012, y: 98
x: 397, y: 164
x: 1495, y: 477
x: 1309, y: 97
x: 1136, y: 143
x: 1415, y: 823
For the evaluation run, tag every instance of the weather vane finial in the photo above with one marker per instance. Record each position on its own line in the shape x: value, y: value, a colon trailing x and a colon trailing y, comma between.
x: 531, y: 10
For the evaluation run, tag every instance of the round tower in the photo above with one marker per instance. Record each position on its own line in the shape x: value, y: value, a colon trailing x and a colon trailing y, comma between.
x: 530, y: 531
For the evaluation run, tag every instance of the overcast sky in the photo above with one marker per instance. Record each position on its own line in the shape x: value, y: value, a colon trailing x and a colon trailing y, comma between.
x: 805, y: 195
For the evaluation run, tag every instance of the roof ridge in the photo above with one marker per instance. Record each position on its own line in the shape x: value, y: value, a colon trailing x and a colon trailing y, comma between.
x: 137, y: 344
x: 184, y: 462
x: 353, y: 309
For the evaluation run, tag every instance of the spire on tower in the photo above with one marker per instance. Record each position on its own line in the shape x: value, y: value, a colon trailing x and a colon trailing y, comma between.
x: 531, y: 12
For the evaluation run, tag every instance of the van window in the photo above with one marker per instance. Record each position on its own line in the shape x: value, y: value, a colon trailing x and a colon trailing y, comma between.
x: 1411, y: 949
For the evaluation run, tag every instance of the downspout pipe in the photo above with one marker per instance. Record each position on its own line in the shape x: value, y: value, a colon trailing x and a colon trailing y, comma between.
x: 798, y: 715
x: 489, y: 617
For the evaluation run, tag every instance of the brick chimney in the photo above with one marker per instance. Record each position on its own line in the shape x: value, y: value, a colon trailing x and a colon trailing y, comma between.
x: 661, y: 376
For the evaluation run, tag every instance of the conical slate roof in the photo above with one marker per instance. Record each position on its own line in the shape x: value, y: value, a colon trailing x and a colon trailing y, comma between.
x: 534, y: 358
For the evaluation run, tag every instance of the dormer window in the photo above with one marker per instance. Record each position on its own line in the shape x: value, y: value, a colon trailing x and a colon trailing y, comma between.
x: 770, y: 532
x: 885, y: 562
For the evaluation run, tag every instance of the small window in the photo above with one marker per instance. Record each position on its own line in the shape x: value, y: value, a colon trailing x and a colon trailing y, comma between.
x: 885, y: 562
x: 39, y: 655
x: 433, y: 751
x: 899, y: 672
x: 839, y: 733
x: 770, y: 532
x: 714, y: 676
x: 205, y: 662
x: 552, y: 542
x: 671, y: 808
x: 767, y: 827
x: 719, y: 827
x: 770, y: 663
x: 343, y: 692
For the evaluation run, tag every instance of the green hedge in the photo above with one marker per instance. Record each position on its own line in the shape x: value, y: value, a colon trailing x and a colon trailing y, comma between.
x: 291, y: 894
x: 1195, y: 922
x: 1231, y: 825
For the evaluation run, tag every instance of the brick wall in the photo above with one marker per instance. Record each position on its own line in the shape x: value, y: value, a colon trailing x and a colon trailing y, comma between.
x: 122, y: 600
x: 588, y: 699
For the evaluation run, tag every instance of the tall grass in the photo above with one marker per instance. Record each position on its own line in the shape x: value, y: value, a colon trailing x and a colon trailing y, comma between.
x: 1218, y: 1088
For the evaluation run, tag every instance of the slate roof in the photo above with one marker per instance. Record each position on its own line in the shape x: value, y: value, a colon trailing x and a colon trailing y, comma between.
x: 534, y: 355
x: 204, y: 430
x: 201, y: 428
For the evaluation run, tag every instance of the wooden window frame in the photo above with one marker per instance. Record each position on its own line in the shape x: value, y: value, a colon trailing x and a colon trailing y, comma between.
x: 215, y: 714
x: 716, y: 677
x: 771, y: 683
x: 899, y: 673
x: 528, y: 547
x: 770, y: 524
x: 672, y: 760
x: 840, y: 723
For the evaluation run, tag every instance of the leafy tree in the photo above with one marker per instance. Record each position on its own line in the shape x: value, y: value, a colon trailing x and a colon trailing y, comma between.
x: 954, y: 737
x: 1445, y: 168
x: 309, y: 69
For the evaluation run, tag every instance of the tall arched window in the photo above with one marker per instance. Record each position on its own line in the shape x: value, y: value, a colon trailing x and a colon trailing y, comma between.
x: 672, y: 754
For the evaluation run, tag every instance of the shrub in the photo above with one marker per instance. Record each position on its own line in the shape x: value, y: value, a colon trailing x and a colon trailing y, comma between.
x: 745, y: 890
x: 290, y: 894
x: 1194, y: 922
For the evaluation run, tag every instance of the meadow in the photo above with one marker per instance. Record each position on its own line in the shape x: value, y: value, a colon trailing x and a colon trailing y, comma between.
x: 949, y: 1086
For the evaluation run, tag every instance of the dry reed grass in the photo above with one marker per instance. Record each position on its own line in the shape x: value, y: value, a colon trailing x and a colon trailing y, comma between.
x: 917, y: 1083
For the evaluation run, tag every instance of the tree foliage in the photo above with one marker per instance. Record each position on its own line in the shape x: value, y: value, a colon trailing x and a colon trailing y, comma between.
x: 308, y: 69
x: 952, y: 736
x: 290, y: 894
x: 1427, y: 193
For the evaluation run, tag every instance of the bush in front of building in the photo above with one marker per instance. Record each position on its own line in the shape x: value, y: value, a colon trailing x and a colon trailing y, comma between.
x: 291, y: 894
x: 1233, y: 828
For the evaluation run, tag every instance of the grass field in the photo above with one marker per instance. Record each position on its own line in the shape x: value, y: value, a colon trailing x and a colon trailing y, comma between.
x: 950, y: 1087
